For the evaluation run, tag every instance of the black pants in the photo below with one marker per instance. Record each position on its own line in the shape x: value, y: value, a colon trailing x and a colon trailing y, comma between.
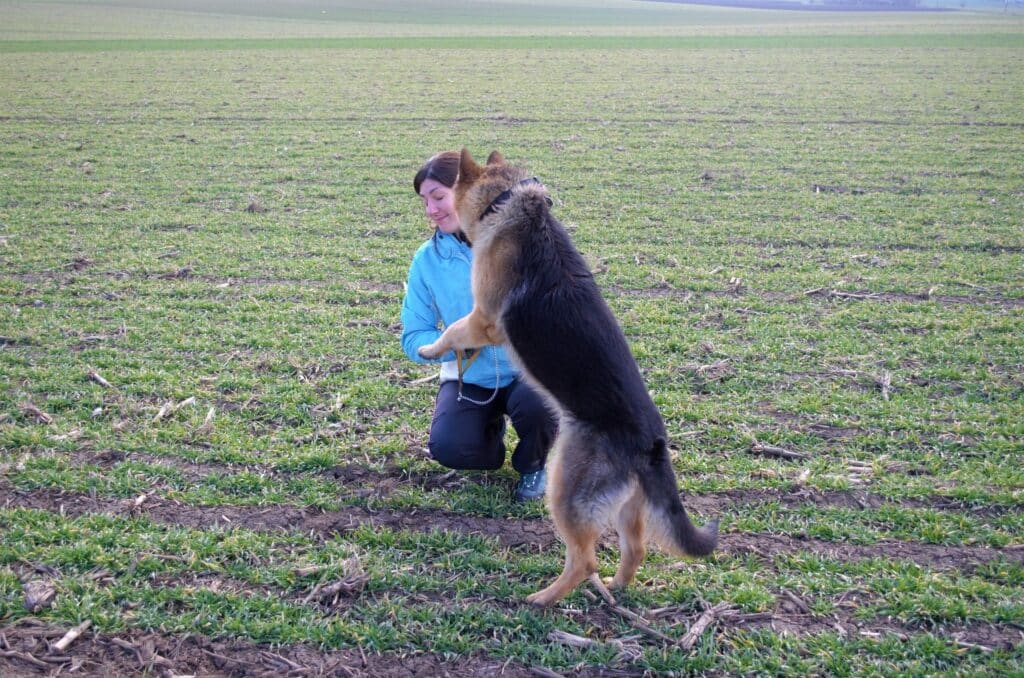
x: 465, y: 435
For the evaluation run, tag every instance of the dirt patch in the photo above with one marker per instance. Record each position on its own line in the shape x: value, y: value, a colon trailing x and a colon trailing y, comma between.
x: 358, y: 481
x: 822, y: 293
x: 932, y: 556
x: 512, y: 533
x: 791, y: 615
x: 27, y: 646
x: 28, y: 653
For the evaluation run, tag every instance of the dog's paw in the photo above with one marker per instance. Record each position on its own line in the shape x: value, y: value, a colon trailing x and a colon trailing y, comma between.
x: 430, y: 351
x: 540, y: 599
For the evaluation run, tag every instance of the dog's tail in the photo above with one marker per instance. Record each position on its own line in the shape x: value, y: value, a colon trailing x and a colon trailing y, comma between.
x: 667, y: 520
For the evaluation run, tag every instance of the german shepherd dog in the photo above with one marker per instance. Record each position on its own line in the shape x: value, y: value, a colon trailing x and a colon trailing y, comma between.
x: 534, y: 293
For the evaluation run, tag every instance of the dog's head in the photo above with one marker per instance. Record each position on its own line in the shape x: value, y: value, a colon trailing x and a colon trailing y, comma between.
x: 479, y: 185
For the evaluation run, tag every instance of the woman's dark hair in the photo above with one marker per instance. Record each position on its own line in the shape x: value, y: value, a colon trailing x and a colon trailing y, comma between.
x: 442, y: 168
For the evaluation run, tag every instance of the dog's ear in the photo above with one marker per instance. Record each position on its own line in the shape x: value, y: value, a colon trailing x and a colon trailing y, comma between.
x: 468, y: 169
x: 495, y: 158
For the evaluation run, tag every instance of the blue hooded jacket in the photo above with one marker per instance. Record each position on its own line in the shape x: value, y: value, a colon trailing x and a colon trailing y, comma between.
x: 437, y: 294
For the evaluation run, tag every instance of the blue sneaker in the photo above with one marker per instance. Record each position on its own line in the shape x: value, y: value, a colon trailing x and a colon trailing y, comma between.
x: 531, y: 486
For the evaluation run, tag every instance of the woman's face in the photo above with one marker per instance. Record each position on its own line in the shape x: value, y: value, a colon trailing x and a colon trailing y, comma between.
x: 439, y: 203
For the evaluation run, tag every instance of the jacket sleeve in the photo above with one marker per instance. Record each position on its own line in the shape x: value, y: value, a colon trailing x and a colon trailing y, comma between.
x: 419, y: 318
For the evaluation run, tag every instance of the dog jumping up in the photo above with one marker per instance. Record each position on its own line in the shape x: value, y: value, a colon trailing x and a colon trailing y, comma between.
x: 534, y: 293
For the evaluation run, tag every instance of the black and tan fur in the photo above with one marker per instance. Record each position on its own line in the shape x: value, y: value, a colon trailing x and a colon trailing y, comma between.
x: 534, y: 293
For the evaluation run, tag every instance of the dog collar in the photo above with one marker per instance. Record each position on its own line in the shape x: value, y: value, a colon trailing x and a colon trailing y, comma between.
x: 505, y: 195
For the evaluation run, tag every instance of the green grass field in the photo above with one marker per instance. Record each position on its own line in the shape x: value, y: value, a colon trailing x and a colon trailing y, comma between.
x: 808, y: 224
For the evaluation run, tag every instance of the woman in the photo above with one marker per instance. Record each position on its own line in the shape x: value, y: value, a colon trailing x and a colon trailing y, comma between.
x: 468, y: 427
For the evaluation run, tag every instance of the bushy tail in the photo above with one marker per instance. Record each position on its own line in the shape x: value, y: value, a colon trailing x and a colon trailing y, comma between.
x: 667, y: 519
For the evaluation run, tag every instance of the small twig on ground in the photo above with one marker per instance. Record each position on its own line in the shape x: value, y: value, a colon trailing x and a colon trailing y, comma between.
x: 208, y: 421
x: 424, y: 380
x: 279, y: 660
x: 973, y: 646
x: 166, y: 409
x: 32, y: 410
x: 715, y: 371
x: 353, y: 583
x: 125, y: 645
x: 566, y: 638
x: 71, y: 636
x: 758, y: 447
x: 595, y: 581
x: 736, y: 618
x: 706, y: 619
x: 56, y: 659
x: 636, y: 620
x: 665, y: 611
x: 24, y: 656
x: 329, y: 431
x: 852, y: 295
x: 884, y: 384
x: 95, y: 376
x: 185, y: 403
x: 860, y: 473
x: 641, y: 624
x: 627, y: 647
x: 876, y: 635
x: 344, y: 586
x: 797, y: 601
x: 227, y: 659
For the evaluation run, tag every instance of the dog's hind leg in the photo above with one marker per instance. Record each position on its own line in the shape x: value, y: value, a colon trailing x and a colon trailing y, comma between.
x: 629, y: 523
x: 580, y: 563
x: 579, y: 531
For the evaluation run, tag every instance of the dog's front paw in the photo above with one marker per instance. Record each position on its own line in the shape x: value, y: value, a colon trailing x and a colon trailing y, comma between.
x: 431, y: 351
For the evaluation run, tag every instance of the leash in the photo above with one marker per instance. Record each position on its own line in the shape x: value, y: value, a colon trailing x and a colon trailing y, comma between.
x: 464, y: 365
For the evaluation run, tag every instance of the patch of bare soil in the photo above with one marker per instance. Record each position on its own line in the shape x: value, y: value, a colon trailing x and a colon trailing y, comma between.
x: 358, y: 480
x: 932, y: 556
x: 792, y: 615
x: 324, y: 524
x: 513, y: 533
x: 27, y: 648
x: 31, y: 647
x: 76, y: 266
x: 824, y: 293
